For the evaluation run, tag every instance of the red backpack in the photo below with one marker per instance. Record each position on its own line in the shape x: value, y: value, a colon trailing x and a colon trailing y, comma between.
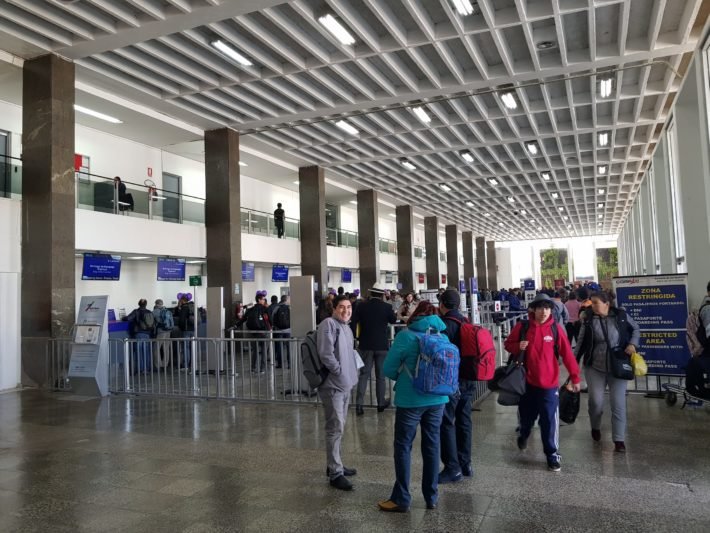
x: 478, y: 352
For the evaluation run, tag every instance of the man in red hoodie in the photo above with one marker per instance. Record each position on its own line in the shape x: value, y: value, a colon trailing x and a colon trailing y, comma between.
x: 541, y: 398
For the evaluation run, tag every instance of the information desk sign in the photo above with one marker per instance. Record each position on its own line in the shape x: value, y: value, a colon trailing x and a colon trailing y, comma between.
x: 659, y: 305
x: 88, y: 366
x: 195, y: 281
x: 171, y: 269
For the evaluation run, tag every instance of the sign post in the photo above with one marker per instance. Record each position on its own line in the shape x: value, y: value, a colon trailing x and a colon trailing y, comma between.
x: 475, y: 312
x: 529, y: 288
x: 196, y: 281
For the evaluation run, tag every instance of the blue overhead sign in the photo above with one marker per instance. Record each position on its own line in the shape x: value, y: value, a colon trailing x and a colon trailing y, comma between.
x: 279, y: 273
x: 529, y: 284
x: 102, y: 267
x: 171, y: 269
x: 247, y: 271
x: 346, y: 276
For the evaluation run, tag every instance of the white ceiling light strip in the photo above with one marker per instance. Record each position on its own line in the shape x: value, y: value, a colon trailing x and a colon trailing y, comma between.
x: 337, y: 29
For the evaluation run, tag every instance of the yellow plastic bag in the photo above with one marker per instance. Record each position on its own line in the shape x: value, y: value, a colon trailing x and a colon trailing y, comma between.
x: 639, y: 364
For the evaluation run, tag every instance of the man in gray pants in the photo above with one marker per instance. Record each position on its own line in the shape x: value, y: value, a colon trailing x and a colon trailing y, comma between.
x: 336, y: 348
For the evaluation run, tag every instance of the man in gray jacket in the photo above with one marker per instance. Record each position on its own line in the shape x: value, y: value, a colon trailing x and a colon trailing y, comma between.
x: 336, y: 348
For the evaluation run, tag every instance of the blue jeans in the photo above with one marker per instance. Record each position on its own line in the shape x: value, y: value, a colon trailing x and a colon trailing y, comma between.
x: 282, y: 351
x: 187, y: 348
x: 405, y: 429
x: 457, y: 429
x: 144, y: 352
x: 543, y: 403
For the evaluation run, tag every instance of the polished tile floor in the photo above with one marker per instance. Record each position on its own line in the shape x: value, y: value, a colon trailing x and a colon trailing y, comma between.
x: 152, y: 465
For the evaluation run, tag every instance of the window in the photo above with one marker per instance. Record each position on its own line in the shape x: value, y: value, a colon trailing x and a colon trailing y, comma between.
x: 676, y: 206
x: 654, y: 220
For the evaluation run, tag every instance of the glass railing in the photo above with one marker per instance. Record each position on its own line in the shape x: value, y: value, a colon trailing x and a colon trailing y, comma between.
x: 99, y: 193
x: 341, y: 238
x: 261, y: 223
x: 388, y: 247
x: 419, y: 252
x: 10, y: 177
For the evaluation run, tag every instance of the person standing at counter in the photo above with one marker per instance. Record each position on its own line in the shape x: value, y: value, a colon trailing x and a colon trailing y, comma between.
x: 142, y: 324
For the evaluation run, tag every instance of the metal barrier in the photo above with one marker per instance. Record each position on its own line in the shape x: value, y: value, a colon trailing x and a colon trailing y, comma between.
x: 57, y: 353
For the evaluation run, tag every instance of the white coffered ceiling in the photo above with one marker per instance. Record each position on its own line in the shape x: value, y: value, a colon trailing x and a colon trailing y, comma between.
x: 545, y: 58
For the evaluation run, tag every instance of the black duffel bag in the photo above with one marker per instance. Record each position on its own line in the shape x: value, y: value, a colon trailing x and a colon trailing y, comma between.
x: 512, y: 384
x: 569, y: 404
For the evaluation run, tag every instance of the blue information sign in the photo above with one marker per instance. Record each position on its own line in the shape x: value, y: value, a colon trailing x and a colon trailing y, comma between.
x: 529, y: 285
x: 247, y: 271
x: 346, y: 276
x: 659, y: 304
x: 103, y: 267
x: 473, y: 283
x: 171, y: 269
x: 462, y: 286
x: 279, y: 273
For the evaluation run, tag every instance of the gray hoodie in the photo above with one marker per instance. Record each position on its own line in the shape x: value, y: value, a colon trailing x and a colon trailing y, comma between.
x: 336, y: 348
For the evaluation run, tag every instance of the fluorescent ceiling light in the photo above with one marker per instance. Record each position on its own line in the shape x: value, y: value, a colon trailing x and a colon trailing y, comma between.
x: 296, y: 182
x: 565, y: 217
x: 510, y: 199
x: 523, y: 212
x: 600, y: 224
x: 601, y: 191
x: 539, y: 228
x: 560, y: 208
x: 421, y: 114
x: 393, y: 215
x: 354, y: 202
x: 532, y: 221
x: 600, y: 206
x: 347, y: 128
x: 231, y: 53
x: 509, y: 101
x: 469, y: 203
x: 601, y: 169
x: 555, y: 195
x: 493, y: 181
x: 243, y: 164
x: 96, y: 114
x: 155, y: 197
x: 605, y: 88
x: 604, y: 139
x: 501, y: 224
x: 532, y: 148
x: 463, y: 7
x: 406, y: 164
x: 486, y: 215
x: 546, y: 176
x: 337, y: 29
x: 569, y: 226
x: 196, y: 261
x: 138, y: 257
x: 445, y: 187
x: 600, y: 216
x: 467, y: 156
x: 420, y: 224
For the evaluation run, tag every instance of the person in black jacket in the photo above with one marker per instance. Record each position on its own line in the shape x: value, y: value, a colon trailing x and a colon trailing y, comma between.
x: 456, y: 425
x: 373, y: 317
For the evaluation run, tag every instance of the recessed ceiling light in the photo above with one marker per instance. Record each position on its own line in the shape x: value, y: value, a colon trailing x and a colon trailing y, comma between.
x: 469, y: 203
x: 464, y: 7
x: 510, y: 199
x: 532, y: 221
x: 421, y: 114
x: 509, y: 100
x: 243, y: 164
x: 600, y: 215
x: 487, y: 215
x: 569, y: 226
x: 600, y: 224
x: 296, y: 182
x: 546, y: 45
x: 605, y: 87
x: 444, y: 187
x: 601, y: 191
x: 555, y: 196
x: 546, y: 176
x: 467, y: 156
x: 565, y: 217
x: 96, y: 114
x: 560, y: 208
x: 501, y: 224
x: 532, y: 148
x: 337, y: 29
x: 601, y: 169
x: 354, y: 202
x: 604, y: 139
x: 523, y: 212
x: 347, y: 128
x: 493, y: 181
x: 600, y: 206
x: 231, y: 53
x: 539, y: 228
x: 406, y: 164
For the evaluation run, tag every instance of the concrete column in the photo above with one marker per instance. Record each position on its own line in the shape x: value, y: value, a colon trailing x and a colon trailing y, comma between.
x: 481, y: 270
x: 312, y: 209
x: 223, y: 217
x: 431, y: 242
x: 649, y: 261
x: 662, y: 193
x: 48, y: 203
x: 468, y: 264
x: 368, y: 239
x: 694, y: 174
x: 405, y: 247
x: 452, y: 255
x: 492, y: 265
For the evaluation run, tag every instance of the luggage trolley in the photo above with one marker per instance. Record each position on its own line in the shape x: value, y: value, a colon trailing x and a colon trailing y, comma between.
x: 672, y: 392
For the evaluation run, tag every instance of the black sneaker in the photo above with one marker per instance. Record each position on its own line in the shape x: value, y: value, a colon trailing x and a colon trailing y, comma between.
x: 341, y: 483
x: 359, y: 411
x: 384, y: 406
x: 346, y: 471
x: 449, y: 477
x: 522, y: 443
x: 467, y: 471
x: 554, y: 465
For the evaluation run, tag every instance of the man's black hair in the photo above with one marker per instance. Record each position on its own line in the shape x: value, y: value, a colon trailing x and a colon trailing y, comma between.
x: 274, y: 298
x: 339, y: 299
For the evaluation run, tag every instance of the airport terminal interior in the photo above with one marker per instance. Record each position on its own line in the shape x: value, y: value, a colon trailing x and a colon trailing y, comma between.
x: 193, y: 161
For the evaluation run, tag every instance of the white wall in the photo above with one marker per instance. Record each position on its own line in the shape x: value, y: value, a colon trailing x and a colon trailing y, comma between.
x: 348, y: 218
x: 388, y: 228
x: 10, y: 261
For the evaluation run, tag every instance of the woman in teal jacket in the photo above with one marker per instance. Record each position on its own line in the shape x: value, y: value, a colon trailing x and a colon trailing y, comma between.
x: 414, y: 409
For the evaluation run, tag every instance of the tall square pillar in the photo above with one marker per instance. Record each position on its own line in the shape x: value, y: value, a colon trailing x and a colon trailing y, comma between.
x: 368, y: 237
x: 48, y: 204
x: 492, y: 265
x: 431, y: 243
x: 223, y: 217
x: 312, y: 207
x: 405, y: 247
x: 452, y: 255
x: 468, y: 265
x: 481, y: 270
